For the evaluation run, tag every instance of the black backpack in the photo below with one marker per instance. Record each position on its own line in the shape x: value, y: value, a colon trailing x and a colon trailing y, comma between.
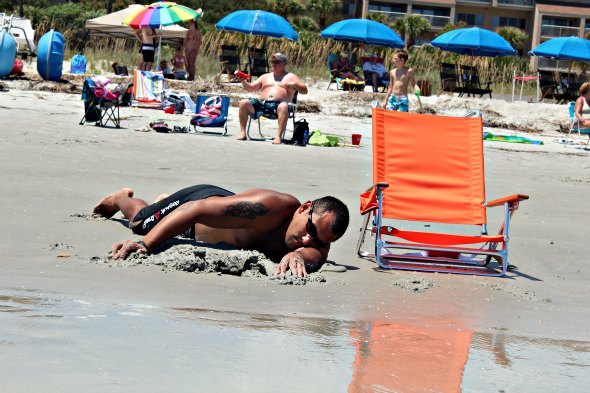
x: 301, y: 133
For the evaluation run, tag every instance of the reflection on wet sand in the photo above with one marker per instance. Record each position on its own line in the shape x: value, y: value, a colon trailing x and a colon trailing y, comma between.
x: 393, y: 357
x: 214, y: 350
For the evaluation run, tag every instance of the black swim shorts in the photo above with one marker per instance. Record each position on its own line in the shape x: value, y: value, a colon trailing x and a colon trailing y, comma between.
x: 266, y: 108
x: 152, y: 214
x: 148, y: 53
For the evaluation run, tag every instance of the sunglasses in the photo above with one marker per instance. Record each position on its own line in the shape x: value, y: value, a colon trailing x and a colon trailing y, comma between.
x: 276, y: 61
x: 313, y: 231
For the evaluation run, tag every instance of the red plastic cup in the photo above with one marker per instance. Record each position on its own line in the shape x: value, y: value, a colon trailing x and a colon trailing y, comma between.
x: 169, y: 110
x: 356, y: 139
x: 241, y: 74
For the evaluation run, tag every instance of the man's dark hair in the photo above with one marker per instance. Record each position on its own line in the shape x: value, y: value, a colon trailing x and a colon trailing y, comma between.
x: 338, y: 208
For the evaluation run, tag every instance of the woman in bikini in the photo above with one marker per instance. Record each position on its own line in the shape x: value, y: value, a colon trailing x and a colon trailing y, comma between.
x: 192, y: 44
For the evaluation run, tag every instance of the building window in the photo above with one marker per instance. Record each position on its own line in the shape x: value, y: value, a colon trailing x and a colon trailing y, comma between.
x: 386, y: 7
x: 430, y: 11
x: 501, y: 21
x: 557, y: 22
x: 470, y: 19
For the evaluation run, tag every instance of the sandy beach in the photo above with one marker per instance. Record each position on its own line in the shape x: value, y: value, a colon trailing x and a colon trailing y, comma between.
x: 70, y: 322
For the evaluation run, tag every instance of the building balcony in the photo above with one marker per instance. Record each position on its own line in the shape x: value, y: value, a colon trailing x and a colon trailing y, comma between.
x: 436, y: 22
x: 519, y: 3
x: 559, y: 31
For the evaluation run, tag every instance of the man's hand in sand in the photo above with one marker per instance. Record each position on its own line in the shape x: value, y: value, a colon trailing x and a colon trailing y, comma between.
x: 293, y: 261
x: 123, y: 250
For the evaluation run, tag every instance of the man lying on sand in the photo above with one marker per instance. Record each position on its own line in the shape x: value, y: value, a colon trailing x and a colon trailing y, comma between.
x: 296, y: 235
x: 276, y: 91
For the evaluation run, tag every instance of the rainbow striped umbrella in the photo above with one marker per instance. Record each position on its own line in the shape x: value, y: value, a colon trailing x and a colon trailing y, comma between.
x: 162, y: 13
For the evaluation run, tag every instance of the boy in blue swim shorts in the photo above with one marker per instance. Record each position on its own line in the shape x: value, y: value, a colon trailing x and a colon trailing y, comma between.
x: 400, y: 78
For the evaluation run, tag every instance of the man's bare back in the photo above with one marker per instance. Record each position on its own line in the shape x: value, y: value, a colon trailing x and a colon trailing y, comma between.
x: 274, y: 223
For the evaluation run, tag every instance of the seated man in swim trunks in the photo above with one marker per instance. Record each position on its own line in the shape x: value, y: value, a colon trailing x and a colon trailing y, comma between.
x: 276, y: 91
x: 294, y: 234
x: 401, y: 77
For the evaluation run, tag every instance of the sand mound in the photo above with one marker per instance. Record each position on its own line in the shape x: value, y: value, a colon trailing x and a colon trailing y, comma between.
x: 194, y: 259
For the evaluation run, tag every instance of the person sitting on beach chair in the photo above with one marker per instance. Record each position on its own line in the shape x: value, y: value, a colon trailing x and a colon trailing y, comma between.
x: 277, y: 89
x: 294, y: 234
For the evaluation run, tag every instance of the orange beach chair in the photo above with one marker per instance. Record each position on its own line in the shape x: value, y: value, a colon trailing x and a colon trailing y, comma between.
x: 431, y: 169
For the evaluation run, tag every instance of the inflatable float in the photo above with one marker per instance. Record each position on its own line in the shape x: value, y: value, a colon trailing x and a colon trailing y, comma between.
x: 50, y: 55
x: 7, y: 53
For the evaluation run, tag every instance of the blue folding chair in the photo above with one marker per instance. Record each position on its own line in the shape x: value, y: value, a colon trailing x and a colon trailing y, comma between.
x: 575, y: 123
x: 210, y: 122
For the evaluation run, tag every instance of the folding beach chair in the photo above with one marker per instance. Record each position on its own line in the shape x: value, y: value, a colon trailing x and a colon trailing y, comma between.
x: 575, y: 124
x: 148, y: 87
x: 431, y: 169
x: 91, y: 103
x: 472, y: 84
x: 110, y: 108
x: 292, y: 112
x: 229, y: 60
x: 449, y: 79
x: 548, y: 84
x: 332, y: 57
x: 211, y: 112
x: 257, y: 62
x: 569, y: 86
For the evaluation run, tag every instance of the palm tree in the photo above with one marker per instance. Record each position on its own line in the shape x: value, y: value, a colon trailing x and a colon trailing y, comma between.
x: 515, y: 37
x: 410, y: 27
x: 324, y: 8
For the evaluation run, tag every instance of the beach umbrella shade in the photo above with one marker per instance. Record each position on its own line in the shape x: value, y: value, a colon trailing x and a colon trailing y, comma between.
x: 564, y: 48
x: 363, y: 31
x: 258, y: 22
x: 162, y: 13
x: 474, y: 42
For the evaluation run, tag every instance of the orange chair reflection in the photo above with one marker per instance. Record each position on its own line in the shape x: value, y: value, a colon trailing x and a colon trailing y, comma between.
x: 401, y: 358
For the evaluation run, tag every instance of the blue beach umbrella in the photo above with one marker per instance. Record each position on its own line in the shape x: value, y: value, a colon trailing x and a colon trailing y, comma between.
x: 363, y: 31
x: 564, y: 48
x: 474, y: 42
x: 258, y: 22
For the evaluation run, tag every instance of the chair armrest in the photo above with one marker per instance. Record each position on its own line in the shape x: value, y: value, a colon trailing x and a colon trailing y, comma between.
x: 509, y: 199
x: 487, y: 84
x: 379, y: 184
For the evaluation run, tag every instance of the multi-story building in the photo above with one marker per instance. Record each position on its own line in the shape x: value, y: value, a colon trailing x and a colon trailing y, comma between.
x: 540, y: 19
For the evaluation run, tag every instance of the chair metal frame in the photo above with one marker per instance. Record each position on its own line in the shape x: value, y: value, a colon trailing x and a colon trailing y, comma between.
x: 445, y: 253
x: 292, y: 108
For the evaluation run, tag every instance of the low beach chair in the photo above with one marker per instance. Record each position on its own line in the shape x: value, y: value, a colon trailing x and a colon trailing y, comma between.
x: 569, y: 86
x: 211, y: 113
x: 449, y: 79
x: 430, y: 169
x: 147, y: 88
x: 257, y: 62
x: 382, y: 81
x: 292, y: 112
x: 471, y: 83
x: 100, y: 107
x: 229, y: 60
x: 575, y: 124
x: 548, y: 84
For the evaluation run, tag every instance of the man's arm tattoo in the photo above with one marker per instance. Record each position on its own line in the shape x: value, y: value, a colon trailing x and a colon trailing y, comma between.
x: 246, y: 210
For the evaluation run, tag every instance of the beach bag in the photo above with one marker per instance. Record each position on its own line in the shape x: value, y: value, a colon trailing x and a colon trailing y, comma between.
x: 92, y: 111
x: 209, y: 111
x: 172, y: 100
x: 301, y: 132
x: 160, y: 126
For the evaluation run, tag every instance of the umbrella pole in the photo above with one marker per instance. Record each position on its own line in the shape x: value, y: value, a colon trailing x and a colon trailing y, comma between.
x: 159, y: 49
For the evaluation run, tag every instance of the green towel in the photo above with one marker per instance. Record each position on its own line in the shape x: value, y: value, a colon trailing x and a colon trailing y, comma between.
x: 318, y: 139
x: 488, y: 136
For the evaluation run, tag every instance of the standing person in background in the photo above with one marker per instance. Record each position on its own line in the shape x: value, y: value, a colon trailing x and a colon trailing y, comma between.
x: 192, y: 44
x: 401, y: 78
x: 147, y: 37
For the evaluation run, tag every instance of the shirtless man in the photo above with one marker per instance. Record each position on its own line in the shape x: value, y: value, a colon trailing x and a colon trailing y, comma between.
x: 276, y: 91
x: 400, y: 78
x: 146, y: 35
x: 294, y: 234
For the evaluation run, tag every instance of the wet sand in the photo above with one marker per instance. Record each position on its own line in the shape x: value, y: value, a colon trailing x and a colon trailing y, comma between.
x: 54, y: 171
